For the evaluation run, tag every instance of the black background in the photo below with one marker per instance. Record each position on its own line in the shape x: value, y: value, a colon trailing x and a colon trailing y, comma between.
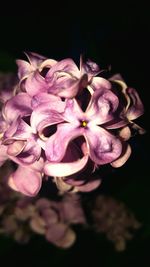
x: 116, y: 35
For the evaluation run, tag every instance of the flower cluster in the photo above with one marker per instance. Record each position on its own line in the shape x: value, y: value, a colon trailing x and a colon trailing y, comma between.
x: 57, y: 220
x: 63, y: 122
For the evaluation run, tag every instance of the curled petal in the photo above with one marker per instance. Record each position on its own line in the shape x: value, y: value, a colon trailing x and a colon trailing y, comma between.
x: 15, y: 148
x: 90, y: 67
x: 136, y: 109
x: 46, y: 115
x: 19, y: 105
x: 25, y: 181
x: 35, y: 84
x: 74, y: 161
x: 126, y: 152
x: 98, y: 83
x: 103, y: 146
x: 88, y: 186
x: 66, y: 86
x: 24, y: 69
x: 30, y: 153
x: 62, y: 185
x: 65, y: 169
x: 102, y: 106
x: 19, y: 129
x: 57, y: 144
x: 65, y: 65
x: 125, y: 133
x: 35, y: 59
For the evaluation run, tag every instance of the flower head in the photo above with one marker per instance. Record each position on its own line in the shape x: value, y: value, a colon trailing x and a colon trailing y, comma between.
x: 65, y: 121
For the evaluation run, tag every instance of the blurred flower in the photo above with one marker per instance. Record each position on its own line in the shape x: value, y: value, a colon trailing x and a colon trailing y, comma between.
x: 113, y: 218
x: 21, y: 217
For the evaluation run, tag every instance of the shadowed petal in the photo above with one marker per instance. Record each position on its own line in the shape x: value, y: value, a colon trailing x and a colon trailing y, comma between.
x: 137, y: 108
x: 98, y: 83
x: 103, y: 146
x: 46, y: 115
x: 3, y: 154
x: 89, y: 185
x: 57, y: 144
x: 123, y: 157
x: 19, y: 105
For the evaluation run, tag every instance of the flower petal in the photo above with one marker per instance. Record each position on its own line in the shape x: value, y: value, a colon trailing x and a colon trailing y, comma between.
x: 47, y: 114
x: 53, y: 100
x: 103, y: 146
x: 35, y: 84
x: 74, y: 161
x: 98, y: 83
x: 57, y: 144
x: 65, y: 169
x: 65, y: 65
x: 123, y: 157
x: 89, y: 186
x: 25, y: 181
x: 24, y: 68
x: 136, y: 109
x: 102, y: 106
x: 19, y: 105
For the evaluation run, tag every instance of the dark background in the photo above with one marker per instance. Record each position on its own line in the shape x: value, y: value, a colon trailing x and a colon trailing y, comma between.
x: 116, y: 35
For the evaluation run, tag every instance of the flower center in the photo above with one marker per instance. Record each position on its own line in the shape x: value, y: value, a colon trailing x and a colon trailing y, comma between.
x: 83, y: 123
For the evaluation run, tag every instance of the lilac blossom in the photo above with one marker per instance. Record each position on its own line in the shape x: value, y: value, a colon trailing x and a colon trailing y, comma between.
x: 64, y: 122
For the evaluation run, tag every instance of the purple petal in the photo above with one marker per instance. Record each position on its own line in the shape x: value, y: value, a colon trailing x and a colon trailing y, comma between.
x: 57, y: 144
x: 25, y: 181
x: 126, y: 152
x: 89, y: 186
x: 35, y: 84
x: 15, y: 148
x: 137, y: 108
x: 24, y: 68
x: 102, y: 106
x: 90, y: 67
x: 65, y: 86
x: 19, y: 105
x: 65, y: 169
x: 98, y: 83
x: 35, y: 59
x: 18, y: 130
x: 73, y: 162
x: 103, y: 146
x: 47, y: 114
x: 30, y: 153
x: 73, y: 112
x: 54, y: 101
x: 65, y: 65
